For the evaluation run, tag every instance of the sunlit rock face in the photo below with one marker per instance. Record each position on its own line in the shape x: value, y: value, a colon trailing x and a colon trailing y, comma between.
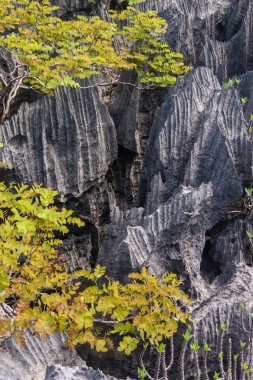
x: 213, y: 33
x: 60, y: 372
x: 44, y: 360
x: 159, y: 176
x: 198, y: 157
x: 66, y: 142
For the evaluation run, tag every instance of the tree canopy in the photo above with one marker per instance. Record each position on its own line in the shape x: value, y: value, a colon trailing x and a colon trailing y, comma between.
x: 42, y: 51
x: 40, y: 293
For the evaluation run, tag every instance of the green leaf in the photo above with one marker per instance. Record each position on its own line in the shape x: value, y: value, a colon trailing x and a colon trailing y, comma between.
x: 141, y: 373
x: 26, y: 226
x: 128, y: 345
x: 195, y: 346
x: 229, y: 83
x: 4, y: 280
x: 224, y: 326
x: 207, y: 347
x: 161, y: 348
x: 250, y: 234
x: 187, y: 336
x: 220, y: 355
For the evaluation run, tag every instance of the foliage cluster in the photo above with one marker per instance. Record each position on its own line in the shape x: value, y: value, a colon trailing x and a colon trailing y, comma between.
x: 45, y: 297
x: 43, y: 51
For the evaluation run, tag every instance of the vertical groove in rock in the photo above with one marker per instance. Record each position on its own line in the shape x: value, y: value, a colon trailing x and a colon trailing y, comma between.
x: 175, y: 127
x: 197, y: 161
x: 67, y: 142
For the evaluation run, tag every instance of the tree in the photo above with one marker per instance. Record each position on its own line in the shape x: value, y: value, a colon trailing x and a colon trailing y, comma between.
x: 40, y: 51
x: 40, y: 293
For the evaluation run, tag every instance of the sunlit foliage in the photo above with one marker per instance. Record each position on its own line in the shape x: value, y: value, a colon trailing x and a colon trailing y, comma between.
x: 43, y: 295
x: 43, y: 51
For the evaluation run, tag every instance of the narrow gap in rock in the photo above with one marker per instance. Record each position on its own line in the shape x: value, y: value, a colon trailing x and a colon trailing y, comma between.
x: 118, y: 176
x: 209, y: 269
x: 237, y: 15
x: 119, y: 6
x: 88, y: 235
x: 220, y: 31
x: 18, y: 140
x: 248, y: 256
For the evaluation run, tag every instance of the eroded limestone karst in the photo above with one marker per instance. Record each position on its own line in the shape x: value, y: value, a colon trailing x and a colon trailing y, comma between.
x: 160, y: 181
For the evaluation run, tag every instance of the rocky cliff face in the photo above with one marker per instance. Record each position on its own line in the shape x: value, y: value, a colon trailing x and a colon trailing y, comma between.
x: 159, y: 176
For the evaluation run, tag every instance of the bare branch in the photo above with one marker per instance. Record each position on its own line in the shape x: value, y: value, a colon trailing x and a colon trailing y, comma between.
x: 113, y: 322
x: 117, y: 82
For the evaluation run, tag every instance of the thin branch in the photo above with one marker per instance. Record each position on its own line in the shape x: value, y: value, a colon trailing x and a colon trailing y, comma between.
x: 14, y: 70
x: 165, y: 376
x: 243, y: 324
x: 117, y: 82
x: 158, y: 366
x: 8, y: 98
x: 40, y: 82
x: 168, y: 367
x: 3, y: 80
x: 143, y: 366
x: 102, y: 321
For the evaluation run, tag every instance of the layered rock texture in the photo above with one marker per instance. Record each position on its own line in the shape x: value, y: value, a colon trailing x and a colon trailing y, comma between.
x: 159, y: 176
x: 44, y: 361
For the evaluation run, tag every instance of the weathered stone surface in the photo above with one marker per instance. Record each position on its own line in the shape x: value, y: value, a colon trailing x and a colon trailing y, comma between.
x: 31, y: 361
x: 232, y: 54
x: 199, y: 126
x: 49, y: 360
x: 192, y: 22
x: 197, y: 160
x: 60, y: 372
x: 65, y: 142
x: 213, y: 33
x: 67, y: 7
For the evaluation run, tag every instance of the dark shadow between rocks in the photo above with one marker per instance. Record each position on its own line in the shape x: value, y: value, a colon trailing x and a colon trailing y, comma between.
x: 113, y: 362
x: 209, y: 268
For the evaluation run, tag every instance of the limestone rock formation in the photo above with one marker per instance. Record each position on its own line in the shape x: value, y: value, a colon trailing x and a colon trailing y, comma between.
x: 159, y: 177
x: 60, y: 372
x: 44, y: 360
x: 66, y: 142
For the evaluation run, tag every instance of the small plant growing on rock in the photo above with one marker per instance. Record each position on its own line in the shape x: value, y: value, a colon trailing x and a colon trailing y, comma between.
x: 229, y: 83
x: 233, y: 358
